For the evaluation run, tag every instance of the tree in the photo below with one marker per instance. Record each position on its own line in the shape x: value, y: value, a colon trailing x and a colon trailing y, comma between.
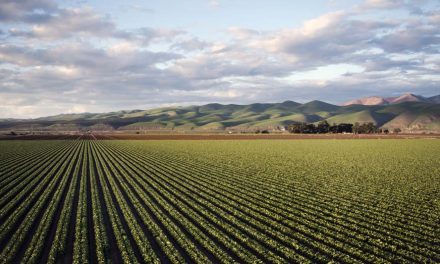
x: 367, y: 128
x: 371, y: 128
x: 297, y: 128
x: 345, y: 128
x: 333, y: 128
x: 310, y: 129
x: 356, y: 128
x: 397, y: 130
x: 323, y: 127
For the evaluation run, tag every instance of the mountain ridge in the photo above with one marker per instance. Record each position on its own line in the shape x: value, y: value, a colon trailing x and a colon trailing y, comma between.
x: 406, y: 113
x: 406, y: 97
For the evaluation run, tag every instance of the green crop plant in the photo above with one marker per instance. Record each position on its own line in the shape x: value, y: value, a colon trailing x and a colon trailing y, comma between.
x: 208, y: 201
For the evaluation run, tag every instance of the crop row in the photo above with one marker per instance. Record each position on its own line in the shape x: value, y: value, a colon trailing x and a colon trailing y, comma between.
x: 88, y: 201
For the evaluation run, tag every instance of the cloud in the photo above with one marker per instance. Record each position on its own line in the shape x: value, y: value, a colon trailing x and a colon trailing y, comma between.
x: 28, y: 11
x: 78, y: 21
x: 330, y: 38
x: 84, y: 22
x: 145, y: 35
x: 413, y: 6
x: 221, y: 61
x: 383, y: 4
x: 58, y: 23
x: 188, y: 45
x: 417, y: 36
x: 138, y: 8
x: 339, y: 37
x: 243, y: 33
x: 119, y: 58
x: 55, y: 59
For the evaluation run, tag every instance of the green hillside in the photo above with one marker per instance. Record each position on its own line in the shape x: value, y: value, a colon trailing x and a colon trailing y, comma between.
x: 416, y: 116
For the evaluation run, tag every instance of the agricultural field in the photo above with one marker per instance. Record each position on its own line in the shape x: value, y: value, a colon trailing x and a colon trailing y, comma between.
x: 247, y: 201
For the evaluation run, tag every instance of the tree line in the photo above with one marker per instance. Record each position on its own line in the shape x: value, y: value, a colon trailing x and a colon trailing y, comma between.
x: 324, y: 127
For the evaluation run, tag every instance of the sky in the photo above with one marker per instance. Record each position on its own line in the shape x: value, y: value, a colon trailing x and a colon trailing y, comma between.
x: 100, y: 56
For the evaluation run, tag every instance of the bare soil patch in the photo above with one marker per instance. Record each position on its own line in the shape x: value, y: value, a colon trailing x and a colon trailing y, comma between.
x: 218, y: 136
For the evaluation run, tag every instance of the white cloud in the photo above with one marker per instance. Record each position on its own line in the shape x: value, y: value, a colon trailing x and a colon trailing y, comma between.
x: 27, y: 11
x: 243, y: 33
x: 85, y: 23
x: 74, y: 59
x: 78, y: 21
x: 321, y: 23
x: 379, y: 4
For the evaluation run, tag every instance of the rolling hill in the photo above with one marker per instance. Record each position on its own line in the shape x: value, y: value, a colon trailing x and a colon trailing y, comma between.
x: 409, y: 115
x: 407, y: 97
